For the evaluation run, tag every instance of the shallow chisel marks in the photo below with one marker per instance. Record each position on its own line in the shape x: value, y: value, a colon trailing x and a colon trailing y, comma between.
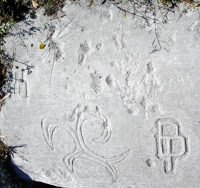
x: 150, y: 163
x: 66, y: 29
x: 58, y: 174
x: 106, y: 16
x: 20, y: 86
x: 139, y: 89
x: 52, y: 69
x: 96, y: 81
x: 81, y: 59
x: 82, y: 53
x: 54, y: 55
x: 151, y: 82
x: 51, y: 50
x: 99, y: 46
x: 171, y: 144
x: 130, y: 95
x: 84, y: 117
x: 116, y: 40
x: 110, y: 80
x: 149, y: 67
x: 48, y: 131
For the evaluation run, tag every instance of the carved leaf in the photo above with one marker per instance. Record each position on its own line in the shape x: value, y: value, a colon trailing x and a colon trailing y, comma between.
x: 69, y: 159
x: 48, y: 130
x: 119, y: 157
x: 104, y: 137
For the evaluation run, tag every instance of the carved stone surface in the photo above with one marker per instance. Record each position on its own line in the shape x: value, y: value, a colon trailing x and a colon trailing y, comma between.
x: 112, y: 101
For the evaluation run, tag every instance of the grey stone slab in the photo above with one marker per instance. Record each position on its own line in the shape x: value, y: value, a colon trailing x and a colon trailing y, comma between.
x: 104, y: 104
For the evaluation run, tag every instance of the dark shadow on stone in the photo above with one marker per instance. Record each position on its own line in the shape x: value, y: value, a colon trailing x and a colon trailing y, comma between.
x: 19, y: 172
x: 11, y: 175
x: 13, y: 9
x: 24, y: 180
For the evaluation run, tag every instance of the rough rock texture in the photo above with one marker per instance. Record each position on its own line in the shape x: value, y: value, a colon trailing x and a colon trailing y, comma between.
x: 111, y: 101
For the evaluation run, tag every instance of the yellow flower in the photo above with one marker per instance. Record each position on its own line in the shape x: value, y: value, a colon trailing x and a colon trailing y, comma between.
x: 42, y: 46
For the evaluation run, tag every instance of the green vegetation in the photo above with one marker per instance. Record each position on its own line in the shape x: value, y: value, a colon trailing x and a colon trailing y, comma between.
x: 11, y: 11
x: 4, y: 152
x: 51, y: 6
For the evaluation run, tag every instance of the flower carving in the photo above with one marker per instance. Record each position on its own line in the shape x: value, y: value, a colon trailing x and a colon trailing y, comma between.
x: 82, y: 117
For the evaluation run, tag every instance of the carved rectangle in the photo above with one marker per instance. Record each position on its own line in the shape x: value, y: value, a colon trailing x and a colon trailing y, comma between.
x: 169, y: 130
x: 165, y: 146
x: 176, y: 146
